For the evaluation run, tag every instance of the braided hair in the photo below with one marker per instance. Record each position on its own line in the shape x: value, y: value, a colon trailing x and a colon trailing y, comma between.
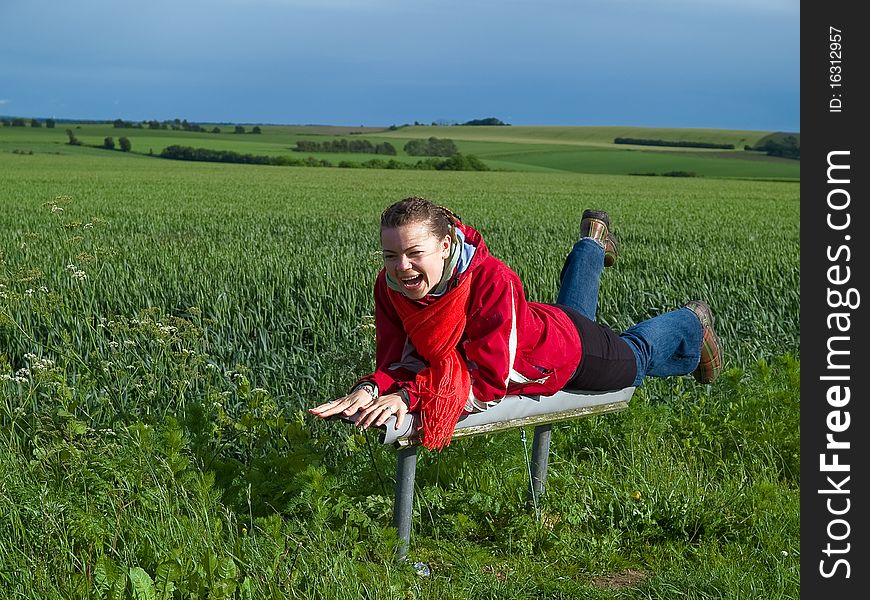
x: 441, y: 221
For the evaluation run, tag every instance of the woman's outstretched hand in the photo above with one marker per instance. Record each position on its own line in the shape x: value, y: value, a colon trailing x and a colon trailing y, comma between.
x: 372, y: 412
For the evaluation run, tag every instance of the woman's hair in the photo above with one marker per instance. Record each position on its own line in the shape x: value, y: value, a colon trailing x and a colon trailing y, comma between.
x: 441, y: 221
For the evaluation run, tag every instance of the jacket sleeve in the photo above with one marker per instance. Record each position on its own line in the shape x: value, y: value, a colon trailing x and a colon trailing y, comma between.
x: 491, y: 330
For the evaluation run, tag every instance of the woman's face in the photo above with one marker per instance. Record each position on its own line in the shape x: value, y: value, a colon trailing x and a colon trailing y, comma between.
x: 414, y: 257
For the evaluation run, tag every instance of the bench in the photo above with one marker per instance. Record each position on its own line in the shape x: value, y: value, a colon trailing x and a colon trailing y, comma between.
x: 510, y: 413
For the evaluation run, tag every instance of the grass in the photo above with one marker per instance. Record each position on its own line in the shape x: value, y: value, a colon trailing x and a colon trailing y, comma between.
x: 152, y: 432
x: 525, y: 149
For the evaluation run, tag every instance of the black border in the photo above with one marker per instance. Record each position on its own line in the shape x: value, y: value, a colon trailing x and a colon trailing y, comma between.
x: 824, y: 131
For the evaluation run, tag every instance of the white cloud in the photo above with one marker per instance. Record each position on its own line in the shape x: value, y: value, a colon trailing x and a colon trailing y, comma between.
x: 3, y: 101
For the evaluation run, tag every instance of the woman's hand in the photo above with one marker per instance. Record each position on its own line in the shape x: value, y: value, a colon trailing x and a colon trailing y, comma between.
x: 381, y: 409
x: 347, y: 405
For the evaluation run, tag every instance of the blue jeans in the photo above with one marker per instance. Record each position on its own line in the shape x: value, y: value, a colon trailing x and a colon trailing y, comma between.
x: 665, y: 345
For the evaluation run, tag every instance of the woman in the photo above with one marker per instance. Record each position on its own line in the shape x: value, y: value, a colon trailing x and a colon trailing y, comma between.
x: 455, y: 332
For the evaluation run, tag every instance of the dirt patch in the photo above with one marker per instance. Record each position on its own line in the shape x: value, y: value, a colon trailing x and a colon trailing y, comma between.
x: 623, y: 579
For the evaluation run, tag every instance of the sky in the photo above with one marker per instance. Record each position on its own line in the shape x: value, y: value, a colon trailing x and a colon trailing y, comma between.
x: 731, y: 64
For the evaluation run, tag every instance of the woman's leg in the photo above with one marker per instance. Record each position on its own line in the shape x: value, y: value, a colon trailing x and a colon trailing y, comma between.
x: 581, y: 274
x: 668, y: 344
x: 580, y: 277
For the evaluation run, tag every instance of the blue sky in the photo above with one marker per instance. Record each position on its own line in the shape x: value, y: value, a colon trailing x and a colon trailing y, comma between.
x: 731, y: 64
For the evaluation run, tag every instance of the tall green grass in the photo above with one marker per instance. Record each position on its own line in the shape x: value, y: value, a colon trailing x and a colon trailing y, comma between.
x: 565, y: 149
x: 163, y: 325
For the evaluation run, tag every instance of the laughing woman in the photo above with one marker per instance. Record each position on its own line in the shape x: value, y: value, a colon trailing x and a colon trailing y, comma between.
x: 455, y: 332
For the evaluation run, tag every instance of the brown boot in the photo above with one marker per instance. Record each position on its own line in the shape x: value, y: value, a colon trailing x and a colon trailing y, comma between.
x: 595, y: 224
x: 710, y: 364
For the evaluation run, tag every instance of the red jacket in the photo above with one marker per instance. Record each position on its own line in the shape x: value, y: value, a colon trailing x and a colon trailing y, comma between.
x: 510, y: 345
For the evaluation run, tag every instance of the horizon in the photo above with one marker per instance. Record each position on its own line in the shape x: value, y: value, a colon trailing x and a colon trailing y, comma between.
x: 109, y: 121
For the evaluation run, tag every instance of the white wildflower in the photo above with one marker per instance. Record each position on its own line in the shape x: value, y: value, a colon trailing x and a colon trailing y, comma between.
x: 22, y: 372
x: 56, y: 209
x: 129, y: 343
x: 41, y: 364
x: 28, y: 292
x: 113, y: 345
x: 76, y: 272
x: 43, y: 289
x: 88, y: 225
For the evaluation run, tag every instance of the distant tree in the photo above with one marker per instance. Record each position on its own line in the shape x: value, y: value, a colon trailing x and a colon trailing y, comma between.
x: 49, y: 123
x: 125, y: 144
x: 215, y: 129
x: 73, y: 140
x: 35, y: 123
x: 239, y: 129
x: 6, y: 122
x: 487, y: 121
x: 109, y: 143
x: 256, y: 129
x: 19, y: 122
x: 431, y: 147
x: 787, y: 146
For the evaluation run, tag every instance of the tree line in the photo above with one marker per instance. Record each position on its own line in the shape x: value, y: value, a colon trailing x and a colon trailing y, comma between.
x: 676, y: 144
x: 457, y: 162
x: 20, y: 122
x: 347, y: 146
x: 179, y: 125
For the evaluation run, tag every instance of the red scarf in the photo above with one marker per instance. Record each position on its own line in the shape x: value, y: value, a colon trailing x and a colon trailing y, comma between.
x: 443, y: 387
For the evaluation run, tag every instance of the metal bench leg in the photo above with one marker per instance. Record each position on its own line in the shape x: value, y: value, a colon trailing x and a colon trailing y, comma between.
x: 540, y: 458
x: 403, y: 507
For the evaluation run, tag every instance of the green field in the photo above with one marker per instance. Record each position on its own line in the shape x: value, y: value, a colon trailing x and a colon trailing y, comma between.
x: 567, y: 149
x: 164, y: 324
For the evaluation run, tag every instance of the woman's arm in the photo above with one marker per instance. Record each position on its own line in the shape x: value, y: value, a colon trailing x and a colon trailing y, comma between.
x: 491, y: 334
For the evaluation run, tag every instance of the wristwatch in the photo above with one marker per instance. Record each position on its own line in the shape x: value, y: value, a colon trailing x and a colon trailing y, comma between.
x: 404, y: 395
x: 368, y: 386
